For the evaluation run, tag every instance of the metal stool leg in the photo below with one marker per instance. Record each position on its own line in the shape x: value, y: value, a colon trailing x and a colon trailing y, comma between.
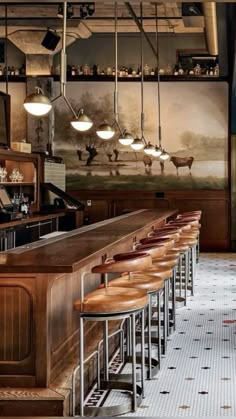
x: 143, y: 353
x: 159, y: 327
x: 134, y: 362
x: 81, y: 346
x: 105, y: 351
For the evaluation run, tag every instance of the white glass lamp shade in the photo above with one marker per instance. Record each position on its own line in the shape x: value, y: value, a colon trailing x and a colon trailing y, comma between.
x: 37, y: 104
x: 126, y: 139
x: 105, y: 131
x: 157, y: 151
x: 81, y: 122
x: 164, y: 155
x: 149, y: 149
x: 137, y: 144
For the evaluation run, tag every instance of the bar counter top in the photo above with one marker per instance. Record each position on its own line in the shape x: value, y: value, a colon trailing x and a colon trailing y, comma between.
x: 72, y: 250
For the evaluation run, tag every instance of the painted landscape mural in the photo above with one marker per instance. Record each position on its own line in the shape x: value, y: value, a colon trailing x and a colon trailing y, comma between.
x: 194, y: 128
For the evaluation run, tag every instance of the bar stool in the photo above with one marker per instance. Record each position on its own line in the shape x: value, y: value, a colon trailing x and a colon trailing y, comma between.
x: 106, y: 304
x: 151, y: 279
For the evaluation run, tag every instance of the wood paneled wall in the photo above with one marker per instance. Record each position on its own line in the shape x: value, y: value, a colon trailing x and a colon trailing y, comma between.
x: 215, y: 205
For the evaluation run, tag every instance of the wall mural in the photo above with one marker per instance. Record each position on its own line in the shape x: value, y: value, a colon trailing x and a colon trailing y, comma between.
x: 194, y: 123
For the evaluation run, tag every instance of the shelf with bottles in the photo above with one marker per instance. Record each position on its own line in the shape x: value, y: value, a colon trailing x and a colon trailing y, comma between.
x: 87, y: 72
x: 19, y: 173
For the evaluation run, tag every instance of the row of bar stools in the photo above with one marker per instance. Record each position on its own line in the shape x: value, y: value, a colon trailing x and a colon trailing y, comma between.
x: 108, y: 304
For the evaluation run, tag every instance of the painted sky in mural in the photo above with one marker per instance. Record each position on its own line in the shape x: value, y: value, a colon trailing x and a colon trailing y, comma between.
x: 194, y: 124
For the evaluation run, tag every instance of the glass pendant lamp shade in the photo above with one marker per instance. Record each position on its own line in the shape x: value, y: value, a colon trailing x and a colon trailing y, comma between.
x: 126, y: 139
x: 164, y: 155
x: 137, y: 144
x: 157, y: 151
x: 81, y: 122
x: 37, y: 104
x: 149, y: 149
x: 105, y: 131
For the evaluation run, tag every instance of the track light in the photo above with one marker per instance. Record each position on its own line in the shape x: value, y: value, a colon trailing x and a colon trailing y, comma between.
x: 81, y: 122
x: 105, y: 131
x: 69, y: 12
x: 50, y: 40
x: 86, y: 9
x: 37, y: 104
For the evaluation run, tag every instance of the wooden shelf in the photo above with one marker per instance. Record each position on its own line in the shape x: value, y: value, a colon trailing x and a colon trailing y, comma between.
x: 164, y: 78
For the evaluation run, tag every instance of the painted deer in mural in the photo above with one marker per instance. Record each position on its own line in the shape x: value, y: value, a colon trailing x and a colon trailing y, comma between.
x: 182, y: 162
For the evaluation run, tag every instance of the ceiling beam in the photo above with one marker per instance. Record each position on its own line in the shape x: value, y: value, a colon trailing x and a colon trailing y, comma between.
x: 140, y: 27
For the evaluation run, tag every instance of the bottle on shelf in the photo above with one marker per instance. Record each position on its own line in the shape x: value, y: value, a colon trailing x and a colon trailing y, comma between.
x: 197, y: 70
x: 86, y: 70
x: 1, y: 72
x: 168, y: 70
x: 73, y: 71
x: 217, y: 70
x: 146, y: 70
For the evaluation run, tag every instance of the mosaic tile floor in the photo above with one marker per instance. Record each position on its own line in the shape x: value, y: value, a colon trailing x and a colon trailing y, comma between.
x: 198, y: 374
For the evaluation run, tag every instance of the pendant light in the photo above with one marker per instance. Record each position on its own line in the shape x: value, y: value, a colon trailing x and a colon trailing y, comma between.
x: 140, y: 143
x: 149, y: 149
x: 81, y: 122
x: 126, y: 138
x: 106, y: 131
x: 137, y: 144
x: 159, y: 152
x: 37, y: 103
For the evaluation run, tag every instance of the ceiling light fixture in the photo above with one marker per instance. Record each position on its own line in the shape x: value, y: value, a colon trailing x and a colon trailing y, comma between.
x: 149, y: 149
x: 81, y: 122
x: 37, y: 104
x: 126, y: 138
x: 105, y: 131
x: 137, y: 144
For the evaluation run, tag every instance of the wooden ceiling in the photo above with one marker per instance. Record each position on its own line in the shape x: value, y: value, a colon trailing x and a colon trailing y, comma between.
x: 44, y: 14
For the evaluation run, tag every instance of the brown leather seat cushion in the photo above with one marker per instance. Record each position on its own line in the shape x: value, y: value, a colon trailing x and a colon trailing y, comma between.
x: 147, y: 283
x: 180, y: 247
x: 161, y: 272
x: 112, y: 300
x: 167, y: 242
x: 188, y: 242
x: 184, y: 226
x: 169, y: 235
x: 165, y: 262
x: 172, y: 253
x: 152, y: 250
x: 139, y: 261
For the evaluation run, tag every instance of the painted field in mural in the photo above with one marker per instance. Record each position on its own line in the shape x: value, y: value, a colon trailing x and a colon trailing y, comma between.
x: 194, y: 128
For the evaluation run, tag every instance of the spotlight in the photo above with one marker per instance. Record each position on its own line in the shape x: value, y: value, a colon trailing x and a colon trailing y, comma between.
x: 87, y: 9
x: 91, y: 9
x: 60, y: 11
x: 69, y: 12
x: 50, y: 40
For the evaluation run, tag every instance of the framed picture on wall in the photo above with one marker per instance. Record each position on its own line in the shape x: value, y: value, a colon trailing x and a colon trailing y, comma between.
x: 2, y: 51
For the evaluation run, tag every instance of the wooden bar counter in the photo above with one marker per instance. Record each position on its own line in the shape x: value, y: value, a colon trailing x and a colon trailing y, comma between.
x: 39, y: 330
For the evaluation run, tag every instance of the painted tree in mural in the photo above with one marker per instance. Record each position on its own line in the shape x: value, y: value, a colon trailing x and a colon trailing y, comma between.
x: 88, y: 145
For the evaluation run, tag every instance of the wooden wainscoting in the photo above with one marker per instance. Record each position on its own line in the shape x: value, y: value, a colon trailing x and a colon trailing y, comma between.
x: 215, y: 205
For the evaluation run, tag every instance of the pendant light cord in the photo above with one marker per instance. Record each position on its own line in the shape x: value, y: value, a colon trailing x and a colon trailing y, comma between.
x: 116, y: 68
x: 158, y: 79
x: 142, y: 75
x: 6, y: 47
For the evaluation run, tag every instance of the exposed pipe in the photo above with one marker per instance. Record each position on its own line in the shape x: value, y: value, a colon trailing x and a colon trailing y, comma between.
x: 210, y: 18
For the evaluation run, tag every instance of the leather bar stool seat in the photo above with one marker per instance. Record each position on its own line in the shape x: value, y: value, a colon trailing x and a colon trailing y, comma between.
x: 138, y: 281
x: 108, y: 300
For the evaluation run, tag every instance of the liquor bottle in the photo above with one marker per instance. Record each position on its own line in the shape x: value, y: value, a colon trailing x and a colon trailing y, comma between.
x: 73, y: 70
x: 0, y: 70
x: 217, y: 70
